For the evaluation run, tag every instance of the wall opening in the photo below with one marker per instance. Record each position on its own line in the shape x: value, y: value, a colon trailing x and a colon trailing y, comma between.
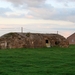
x: 57, y: 42
x: 47, y: 43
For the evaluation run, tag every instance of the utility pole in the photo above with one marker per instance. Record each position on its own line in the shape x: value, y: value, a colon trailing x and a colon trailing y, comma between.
x: 21, y: 29
x: 57, y: 32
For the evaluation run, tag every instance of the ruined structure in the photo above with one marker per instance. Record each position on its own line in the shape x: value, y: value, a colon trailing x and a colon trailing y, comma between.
x: 71, y: 39
x: 32, y: 40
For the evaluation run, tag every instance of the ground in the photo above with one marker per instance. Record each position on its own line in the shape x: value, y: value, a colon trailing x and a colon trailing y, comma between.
x: 38, y: 61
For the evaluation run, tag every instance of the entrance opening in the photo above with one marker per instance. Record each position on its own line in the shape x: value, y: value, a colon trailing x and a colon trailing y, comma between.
x: 47, y: 43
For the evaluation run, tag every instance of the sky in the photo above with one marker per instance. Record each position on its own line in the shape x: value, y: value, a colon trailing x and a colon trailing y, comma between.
x: 37, y: 16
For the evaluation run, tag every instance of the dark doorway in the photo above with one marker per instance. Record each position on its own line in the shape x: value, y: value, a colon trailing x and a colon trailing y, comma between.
x: 46, y: 41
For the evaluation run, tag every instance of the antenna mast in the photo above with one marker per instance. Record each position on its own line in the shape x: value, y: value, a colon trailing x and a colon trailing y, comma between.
x: 21, y: 29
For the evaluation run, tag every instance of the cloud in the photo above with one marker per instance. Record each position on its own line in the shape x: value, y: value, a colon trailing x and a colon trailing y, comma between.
x: 4, y: 10
x: 14, y: 15
x: 31, y: 3
x: 39, y: 9
x: 34, y: 2
x: 44, y: 12
x: 65, y: 14
x: 65, y: 0
x: 51, y: 13
x: 10, y: 13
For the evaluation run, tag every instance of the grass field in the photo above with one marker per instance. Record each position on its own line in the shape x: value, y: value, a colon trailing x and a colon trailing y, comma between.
x: 38, y: 61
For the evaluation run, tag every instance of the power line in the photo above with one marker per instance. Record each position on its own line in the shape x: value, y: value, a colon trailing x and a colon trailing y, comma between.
x: 23, y: 29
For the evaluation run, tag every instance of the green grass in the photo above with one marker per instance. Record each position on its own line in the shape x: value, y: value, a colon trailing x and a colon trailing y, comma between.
x: 38, y: 61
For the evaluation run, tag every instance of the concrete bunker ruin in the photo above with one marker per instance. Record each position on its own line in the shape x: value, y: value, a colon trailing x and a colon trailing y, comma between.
x: 32, y: 40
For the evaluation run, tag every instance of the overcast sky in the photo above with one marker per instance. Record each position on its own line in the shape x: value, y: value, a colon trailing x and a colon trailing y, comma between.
x: 41, y: 16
